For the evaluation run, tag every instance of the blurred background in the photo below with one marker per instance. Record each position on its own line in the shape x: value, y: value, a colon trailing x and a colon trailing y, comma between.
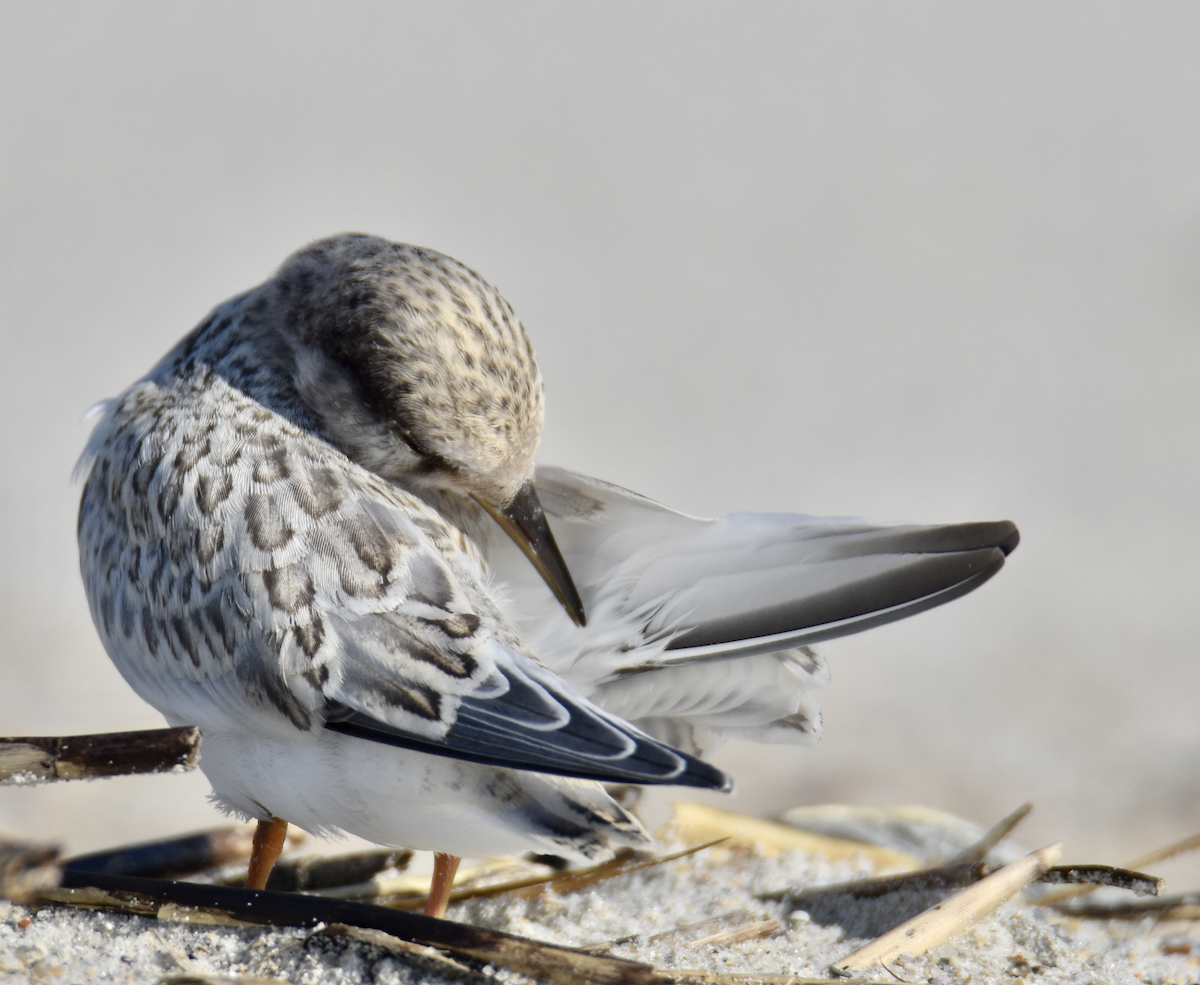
x: 929, y: 262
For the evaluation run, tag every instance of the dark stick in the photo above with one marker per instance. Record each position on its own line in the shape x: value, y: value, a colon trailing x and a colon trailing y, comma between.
x: 946, y: 877
x: 1103, y: 875
x: 564, y: 966
x: 167, y: 857
x: 39, y: 759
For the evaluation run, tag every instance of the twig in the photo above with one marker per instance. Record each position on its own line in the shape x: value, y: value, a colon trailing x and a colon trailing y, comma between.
x: 681, y: 933
x: 1104, y: 875
x: 923, y: 880
x: 732, y: 928
x: 40, y: 759
x: 561, y: 965
x: 561, y: 882
x: 695, y: 822
x: 952, y: 916
x: 1163, y: 854
x: 957, y: 876
x: 1062, y: 896
x: 738, y: 935
x: 349, y: 876
x: 1001, y: 830
x: 169, y: 856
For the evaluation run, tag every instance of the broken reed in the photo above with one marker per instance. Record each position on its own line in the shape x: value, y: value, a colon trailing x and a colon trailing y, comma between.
x: 42, y: 759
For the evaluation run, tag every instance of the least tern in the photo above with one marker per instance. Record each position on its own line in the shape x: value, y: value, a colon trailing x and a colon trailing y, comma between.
x: 316, y: 530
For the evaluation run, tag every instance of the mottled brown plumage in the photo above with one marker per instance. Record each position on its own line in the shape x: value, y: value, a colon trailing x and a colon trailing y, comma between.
x: 262, y: 559
x: 415, y: 365
x: 316, y: 531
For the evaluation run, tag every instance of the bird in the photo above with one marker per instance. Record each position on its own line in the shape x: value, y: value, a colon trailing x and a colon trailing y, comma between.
x: 317, y: 530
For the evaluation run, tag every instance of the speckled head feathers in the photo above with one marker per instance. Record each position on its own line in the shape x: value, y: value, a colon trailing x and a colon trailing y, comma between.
x: 416, y: 365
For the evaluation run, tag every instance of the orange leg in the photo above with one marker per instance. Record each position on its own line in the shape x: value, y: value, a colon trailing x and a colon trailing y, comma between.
x: 268, y: 845
x: 444, y: 868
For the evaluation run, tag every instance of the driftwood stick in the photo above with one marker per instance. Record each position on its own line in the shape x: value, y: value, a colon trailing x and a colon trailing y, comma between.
x: 1104, y: 875
x: 1060, y: 897
x: 167, y: 857
x: 947, y: 877
x: 40, y: 759
x: 561, y: 965
x: 335, y: 872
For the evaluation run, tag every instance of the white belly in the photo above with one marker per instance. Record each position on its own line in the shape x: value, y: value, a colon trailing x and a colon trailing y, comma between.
x: 325, y: 781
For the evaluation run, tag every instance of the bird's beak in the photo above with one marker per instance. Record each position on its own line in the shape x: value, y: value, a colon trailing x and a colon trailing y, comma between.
x: 525, y: 522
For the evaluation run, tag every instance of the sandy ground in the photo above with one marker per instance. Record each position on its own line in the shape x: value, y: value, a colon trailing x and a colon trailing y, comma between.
x: 1018, y: 944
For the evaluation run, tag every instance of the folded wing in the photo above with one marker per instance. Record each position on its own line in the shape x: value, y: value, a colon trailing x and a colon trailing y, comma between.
x: 520, y: 717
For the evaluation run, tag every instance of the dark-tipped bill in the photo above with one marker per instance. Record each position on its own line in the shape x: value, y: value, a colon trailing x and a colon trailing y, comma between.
x: 525, y: 522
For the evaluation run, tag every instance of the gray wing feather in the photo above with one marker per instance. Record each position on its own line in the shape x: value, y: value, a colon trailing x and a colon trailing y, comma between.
x: 756, y: 583
x: 699, y: 627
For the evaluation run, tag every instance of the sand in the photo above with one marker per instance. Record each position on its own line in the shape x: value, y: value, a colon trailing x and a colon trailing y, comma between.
x: 716, y: 888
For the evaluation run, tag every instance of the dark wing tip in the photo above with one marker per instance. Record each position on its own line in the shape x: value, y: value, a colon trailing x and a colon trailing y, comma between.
x: 702, y: 774
x: 474, y: 738
x: 950, y: 538
x: 1011, y: 538
x: 975, y: 536
x: 929, y: 580
x: 698, y: 773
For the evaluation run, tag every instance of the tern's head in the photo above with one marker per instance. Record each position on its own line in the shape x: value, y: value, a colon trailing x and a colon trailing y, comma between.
x: 415, y: 364
x: 420, y: 371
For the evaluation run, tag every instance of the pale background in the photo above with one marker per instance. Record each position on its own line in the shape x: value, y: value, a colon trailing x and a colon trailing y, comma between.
x: 932, y: 262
